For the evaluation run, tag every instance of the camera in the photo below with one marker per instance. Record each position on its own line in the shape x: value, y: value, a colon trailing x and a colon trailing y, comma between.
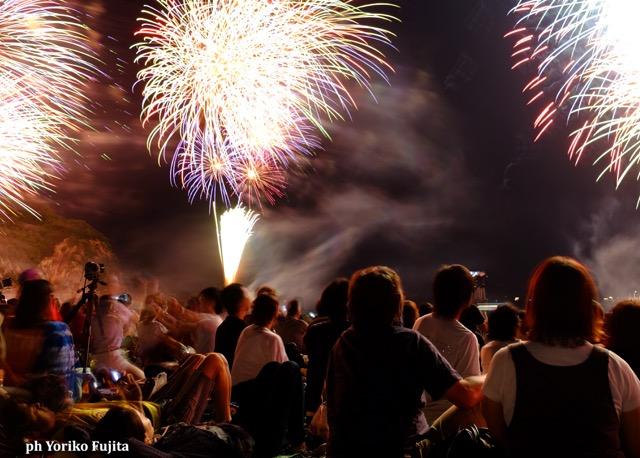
x: 124, y: 298
x: 93, y: 270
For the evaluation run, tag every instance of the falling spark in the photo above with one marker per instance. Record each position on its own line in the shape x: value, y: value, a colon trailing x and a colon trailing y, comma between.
x: 45, y: 62
x: 587, y: 67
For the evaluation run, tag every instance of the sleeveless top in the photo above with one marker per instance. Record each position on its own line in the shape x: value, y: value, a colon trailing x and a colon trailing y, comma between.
x: 563, y: 411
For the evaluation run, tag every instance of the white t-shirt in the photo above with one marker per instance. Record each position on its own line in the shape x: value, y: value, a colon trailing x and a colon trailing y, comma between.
x: 108, y: 329
x: 257, y: 346
x: 500, y: 385
x: 457, y: 344
x: 204, y: 335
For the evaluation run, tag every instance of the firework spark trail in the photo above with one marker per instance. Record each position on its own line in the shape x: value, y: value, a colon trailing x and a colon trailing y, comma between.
x: 28, y: 160
x: 45, y: 62
x: 236, y: 227
x: 239, y: 86
x: 588, y: 70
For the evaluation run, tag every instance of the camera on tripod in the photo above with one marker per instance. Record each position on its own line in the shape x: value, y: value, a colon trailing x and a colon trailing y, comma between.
x: 92, y: 271
x: 6, y: 283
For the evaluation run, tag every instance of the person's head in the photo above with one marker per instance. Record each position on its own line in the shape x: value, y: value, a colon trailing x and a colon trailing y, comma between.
x: 333, y: 301
x: 504, y: 323
x: 409, y: 314
x: 29, y: 275
x: 268, y: 290
x: 209, y: 299
x: 235, y: 300
x: 122, y: 423
x: 375, y: 297
x: 452, y: 290
x: 265, y: 310
x: 561, y: 307
x: 472, y: 318
x: 425, y: 308
x: 26, y: 420
x: 623, y: 337
x: 35, y: 303
x: 293, y: 309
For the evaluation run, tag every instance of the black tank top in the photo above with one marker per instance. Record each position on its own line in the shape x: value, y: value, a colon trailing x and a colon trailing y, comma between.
x: 563, y: 411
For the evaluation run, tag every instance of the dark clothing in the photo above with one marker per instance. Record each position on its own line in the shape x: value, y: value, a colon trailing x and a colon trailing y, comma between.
x: 375, y: 384
x: 227, y: 337
x: 563, y: 411
x: 292, y: 330
x: 319, y: 340
x: 271, y: 407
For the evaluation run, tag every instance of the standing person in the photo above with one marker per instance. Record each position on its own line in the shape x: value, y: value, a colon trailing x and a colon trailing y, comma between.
x: 235, y: 300
x: 322, y: 336
x: 452, y: 292
x: 587, y: 398
x: 378, y: 372
x: 623, y: 337
x: 112, y: 321
x: 504, y: 323
x: 293, y: 329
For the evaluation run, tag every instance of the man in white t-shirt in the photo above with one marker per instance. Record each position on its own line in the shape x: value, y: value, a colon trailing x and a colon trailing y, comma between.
x: 266, y: 384
x: 452, y: 289
x: 258, y: 345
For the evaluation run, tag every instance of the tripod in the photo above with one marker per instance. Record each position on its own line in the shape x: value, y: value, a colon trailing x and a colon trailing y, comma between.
x: 89, y: 301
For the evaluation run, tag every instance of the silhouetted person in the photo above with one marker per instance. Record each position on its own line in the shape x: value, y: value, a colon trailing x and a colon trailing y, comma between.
x: 378, y: 371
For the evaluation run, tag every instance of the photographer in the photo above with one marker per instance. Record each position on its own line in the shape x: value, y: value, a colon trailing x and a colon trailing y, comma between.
x: 112, y: 321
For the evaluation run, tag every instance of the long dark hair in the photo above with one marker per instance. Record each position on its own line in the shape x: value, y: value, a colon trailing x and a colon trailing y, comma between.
x: 33, y: 305
x: 622, y: 329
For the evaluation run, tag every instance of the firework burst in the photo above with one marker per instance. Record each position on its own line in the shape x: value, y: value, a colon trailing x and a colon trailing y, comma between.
x: 236, y: 227
x: 44, y: 64
x: 587, y: 73
x: 246, y: 82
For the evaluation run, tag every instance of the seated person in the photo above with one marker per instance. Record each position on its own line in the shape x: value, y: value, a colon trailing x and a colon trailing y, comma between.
x: 235, y: 300
x: 199, y: 325
x: 112, y: 321
x: 452, y: 291
x: 154, y: 343
x: 37, y: 345
x: 587, y: 398
x: 292, y: 329
x: 623, y: 337
x: 258, y: 344
x: 378, y: 372
x: 267, y: 386
x: 188, y: 390
x: 503, y: 329
x: 322, y: 335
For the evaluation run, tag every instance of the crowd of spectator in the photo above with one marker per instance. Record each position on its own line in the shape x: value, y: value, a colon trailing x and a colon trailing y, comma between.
x: 369, y: 373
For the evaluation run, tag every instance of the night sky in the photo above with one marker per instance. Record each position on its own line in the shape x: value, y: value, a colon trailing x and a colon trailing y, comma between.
x: 441, y: 169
